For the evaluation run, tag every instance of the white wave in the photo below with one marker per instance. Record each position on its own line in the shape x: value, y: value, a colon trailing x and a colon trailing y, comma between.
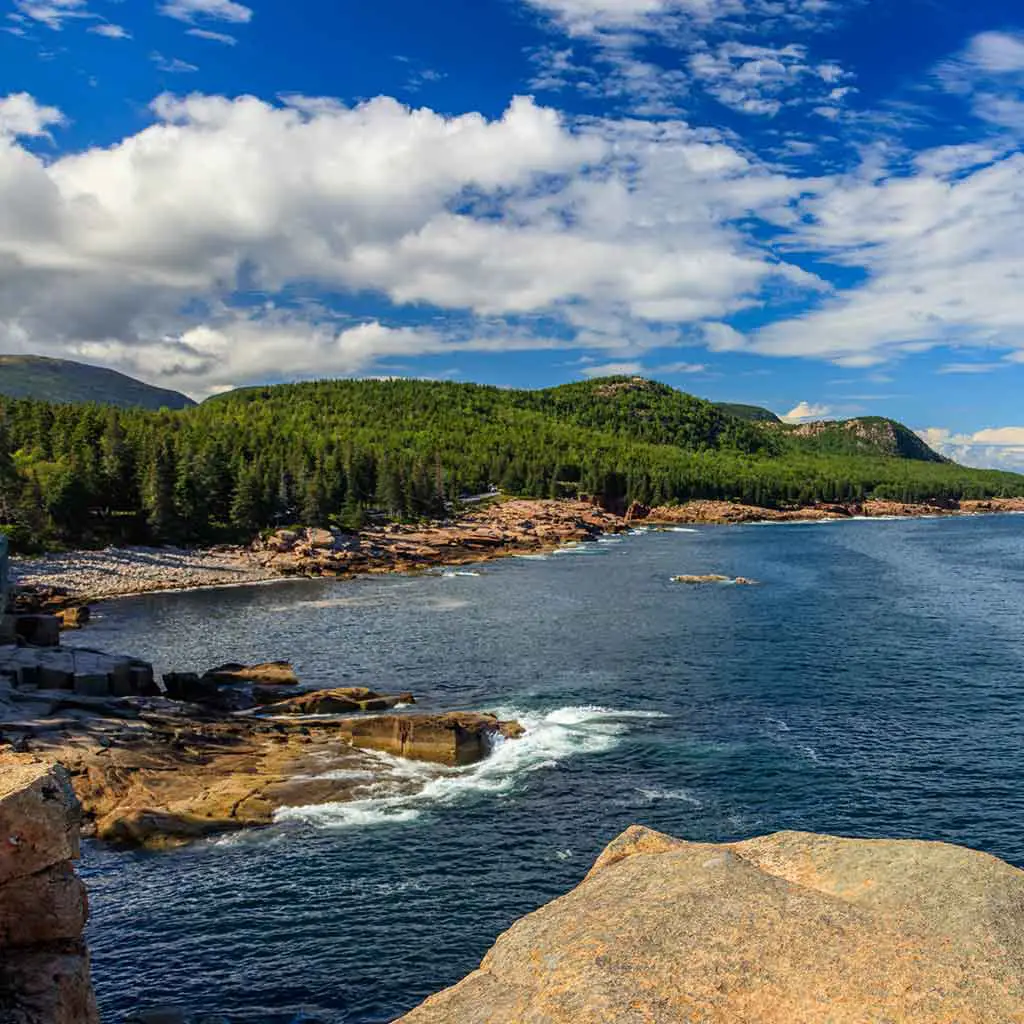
x: 681, y: 529
x: 680, y: 795
x: 452, y: 574
x: 533, y: 558
x: 609, y: 540
x: 551, y: 738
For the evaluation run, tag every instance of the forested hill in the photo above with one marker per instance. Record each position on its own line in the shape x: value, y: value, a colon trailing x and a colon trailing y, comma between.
x: 61, y: 380
x: 332, y: 452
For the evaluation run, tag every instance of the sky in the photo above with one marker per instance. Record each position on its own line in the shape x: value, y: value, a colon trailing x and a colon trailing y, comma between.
x: 812, y: 205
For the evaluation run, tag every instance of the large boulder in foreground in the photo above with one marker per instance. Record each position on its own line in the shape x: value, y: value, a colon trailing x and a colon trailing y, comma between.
x: 788, y: 928
x: 44, y: 965
x: 456, y: 738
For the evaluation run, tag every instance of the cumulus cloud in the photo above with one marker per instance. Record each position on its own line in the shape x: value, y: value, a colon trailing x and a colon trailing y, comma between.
x: 215, y: 10
x: 615, y: 232
x: 21, y: 115
x: 992, y: 448
x: 805, y: 412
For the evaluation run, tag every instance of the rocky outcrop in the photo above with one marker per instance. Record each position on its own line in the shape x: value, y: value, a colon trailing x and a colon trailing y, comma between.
x: 343, y: 701
x: 498, y: 529
x: 44, y: 965
x: 77, y: 670
x: 234, y: 687
x: 456, y: 738
x: 696, y: 581
x: 788, y: 928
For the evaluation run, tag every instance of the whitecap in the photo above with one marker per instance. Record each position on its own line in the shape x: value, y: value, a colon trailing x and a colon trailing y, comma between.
x: 405, y: 789
x: 681, y: 529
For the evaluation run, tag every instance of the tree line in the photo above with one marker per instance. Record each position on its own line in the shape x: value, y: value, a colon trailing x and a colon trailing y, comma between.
x: 335, y: 453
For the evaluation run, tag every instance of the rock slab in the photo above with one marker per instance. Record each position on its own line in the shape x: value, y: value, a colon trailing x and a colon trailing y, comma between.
x: 44, y: 965
x: 788, y: 928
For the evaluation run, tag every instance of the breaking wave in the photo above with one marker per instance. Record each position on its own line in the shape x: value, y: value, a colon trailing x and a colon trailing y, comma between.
x: 405, y: 790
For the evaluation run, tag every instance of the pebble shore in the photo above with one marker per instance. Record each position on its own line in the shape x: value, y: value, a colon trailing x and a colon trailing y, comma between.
x: 119, y: 572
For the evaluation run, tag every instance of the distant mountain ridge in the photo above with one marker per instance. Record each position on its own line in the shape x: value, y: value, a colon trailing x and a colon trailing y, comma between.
x: 63, y: 381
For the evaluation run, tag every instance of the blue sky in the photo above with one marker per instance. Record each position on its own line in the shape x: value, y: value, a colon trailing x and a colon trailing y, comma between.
x: 814, y: 205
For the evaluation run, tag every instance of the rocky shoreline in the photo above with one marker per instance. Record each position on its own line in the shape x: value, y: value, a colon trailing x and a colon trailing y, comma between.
x: 726, y: 513
x: 499, y: 530
x: 502, y: 529
x: 161, y: 766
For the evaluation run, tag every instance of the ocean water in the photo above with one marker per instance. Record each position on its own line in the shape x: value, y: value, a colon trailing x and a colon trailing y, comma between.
x: 873, y: 685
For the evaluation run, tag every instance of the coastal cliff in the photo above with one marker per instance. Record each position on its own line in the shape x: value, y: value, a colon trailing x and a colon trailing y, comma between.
x: 789, y: 927
x: 44, y: 965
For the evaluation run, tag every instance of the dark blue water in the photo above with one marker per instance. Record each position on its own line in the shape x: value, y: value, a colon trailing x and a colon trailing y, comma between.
x: 874, y: 686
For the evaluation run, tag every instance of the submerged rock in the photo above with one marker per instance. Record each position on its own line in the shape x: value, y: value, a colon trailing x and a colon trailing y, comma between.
x: 788, y: 928
x: 739, y: 581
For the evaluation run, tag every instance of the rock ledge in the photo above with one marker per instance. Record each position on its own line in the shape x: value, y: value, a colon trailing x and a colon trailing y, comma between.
x: 787, y: 928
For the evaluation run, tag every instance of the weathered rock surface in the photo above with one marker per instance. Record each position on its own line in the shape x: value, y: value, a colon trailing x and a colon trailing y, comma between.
x: 234, y: 687
x: 155, y: 772
x: 338, y: 702
x: 787, y: 929
x: 44, y: 965
x: 491, y: 532
x: 456, y: 738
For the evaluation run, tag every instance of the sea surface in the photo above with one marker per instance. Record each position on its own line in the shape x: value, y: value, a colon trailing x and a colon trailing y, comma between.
x: 872, y: 685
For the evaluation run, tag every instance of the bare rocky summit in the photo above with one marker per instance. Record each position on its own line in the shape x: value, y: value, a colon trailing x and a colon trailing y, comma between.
x: 791, y: 928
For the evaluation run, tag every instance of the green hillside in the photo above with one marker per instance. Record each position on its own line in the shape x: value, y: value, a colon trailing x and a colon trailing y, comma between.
x: 60, y: 380
x: 753, y: 413
x: 333, y: 451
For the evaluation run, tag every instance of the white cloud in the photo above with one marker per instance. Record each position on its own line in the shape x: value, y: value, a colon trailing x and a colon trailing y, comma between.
x: 593, y: 17
x: 989, y: 72
x: 21, y: 115
x: 215, y: 37
x: 172, y: 65
x: 940, y: 248
x: 614, y: 231
x: 51, y: 13
x: 998, y: 53
x: 762, y: 79
x: 628, y: 369
x: 805, y: 412
x: 992, y: 448
x: 215, y: 10
x: 110, y: 31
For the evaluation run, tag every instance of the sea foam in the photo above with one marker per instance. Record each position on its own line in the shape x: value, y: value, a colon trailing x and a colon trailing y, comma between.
x: 405, y: 790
